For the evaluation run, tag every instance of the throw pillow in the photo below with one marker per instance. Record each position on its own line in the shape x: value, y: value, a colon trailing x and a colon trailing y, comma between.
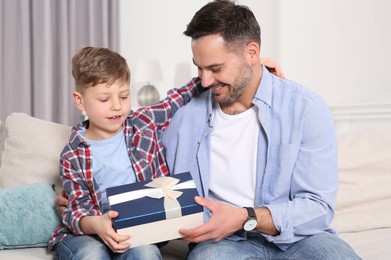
x: 32, y: 150
x: 27, y: 215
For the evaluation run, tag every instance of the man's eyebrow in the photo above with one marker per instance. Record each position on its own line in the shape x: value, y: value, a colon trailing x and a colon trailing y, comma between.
x: 212, y: 66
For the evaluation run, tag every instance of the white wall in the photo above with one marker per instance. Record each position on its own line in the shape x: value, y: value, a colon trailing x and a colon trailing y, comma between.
x: 154, y: 29
x: 339, y: 49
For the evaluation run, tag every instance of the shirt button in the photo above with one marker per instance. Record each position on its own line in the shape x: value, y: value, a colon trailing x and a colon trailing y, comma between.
x: 142, y: 133
x: 90, y: 185
x: 89, y: 161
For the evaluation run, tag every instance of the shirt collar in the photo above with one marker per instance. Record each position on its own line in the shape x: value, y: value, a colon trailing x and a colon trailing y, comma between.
x: 75, y: 139
x: 265, y: 88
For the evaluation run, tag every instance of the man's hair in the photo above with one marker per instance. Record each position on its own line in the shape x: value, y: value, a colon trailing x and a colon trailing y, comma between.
x: 235, y: 23
x: 92, y: 66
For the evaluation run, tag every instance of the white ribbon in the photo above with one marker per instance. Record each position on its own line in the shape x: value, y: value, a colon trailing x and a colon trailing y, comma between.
x: 165, y: 187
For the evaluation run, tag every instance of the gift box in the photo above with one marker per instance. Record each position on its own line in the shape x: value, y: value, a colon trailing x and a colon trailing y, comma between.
x: 153, y: 211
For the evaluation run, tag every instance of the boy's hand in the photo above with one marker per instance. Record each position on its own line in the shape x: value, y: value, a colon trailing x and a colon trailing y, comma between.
x: 61, y: 202
x: 272, y: 67
x: 111, y: 238
x: 102, y: 226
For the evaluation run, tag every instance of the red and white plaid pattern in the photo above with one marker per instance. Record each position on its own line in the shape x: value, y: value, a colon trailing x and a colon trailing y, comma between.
x: 143, y: 129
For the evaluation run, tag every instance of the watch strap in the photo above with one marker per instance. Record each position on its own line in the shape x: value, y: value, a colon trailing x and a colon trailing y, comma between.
x: 251, y: 212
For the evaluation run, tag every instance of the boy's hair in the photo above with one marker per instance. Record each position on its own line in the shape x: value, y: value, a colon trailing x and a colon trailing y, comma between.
x: 92, y: 66
x: 235, y: 23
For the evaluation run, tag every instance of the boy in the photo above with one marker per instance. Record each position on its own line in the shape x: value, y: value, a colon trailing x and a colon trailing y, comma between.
x: 114, y: 146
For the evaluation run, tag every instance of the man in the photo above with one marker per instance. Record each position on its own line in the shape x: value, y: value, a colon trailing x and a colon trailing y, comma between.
x: 261, y: 149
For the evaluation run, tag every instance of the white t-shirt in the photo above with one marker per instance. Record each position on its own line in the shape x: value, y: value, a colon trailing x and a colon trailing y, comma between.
x: 234, y: 148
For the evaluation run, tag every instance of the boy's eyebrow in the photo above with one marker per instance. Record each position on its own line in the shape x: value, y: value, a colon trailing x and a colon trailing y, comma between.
x: 108, y: 92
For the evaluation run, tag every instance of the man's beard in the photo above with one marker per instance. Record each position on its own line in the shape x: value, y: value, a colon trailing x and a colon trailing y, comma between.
x: 237, y: 88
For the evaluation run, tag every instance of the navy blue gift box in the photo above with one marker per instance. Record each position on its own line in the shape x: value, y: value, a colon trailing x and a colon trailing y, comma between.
x: 142, y: 215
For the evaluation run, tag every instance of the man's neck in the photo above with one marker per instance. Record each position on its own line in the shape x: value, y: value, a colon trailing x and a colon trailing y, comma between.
x: 245, y: 100
x: 234, y: 108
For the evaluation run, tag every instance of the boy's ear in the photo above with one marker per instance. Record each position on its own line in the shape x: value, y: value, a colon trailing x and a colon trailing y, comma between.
x: 78, y: 98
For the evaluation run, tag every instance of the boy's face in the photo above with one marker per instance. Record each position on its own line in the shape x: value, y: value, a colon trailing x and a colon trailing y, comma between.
x: 226, y: 73
x: 107, y: 107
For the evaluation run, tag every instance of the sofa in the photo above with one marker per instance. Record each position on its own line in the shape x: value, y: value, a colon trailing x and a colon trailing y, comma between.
x: 29, y: 182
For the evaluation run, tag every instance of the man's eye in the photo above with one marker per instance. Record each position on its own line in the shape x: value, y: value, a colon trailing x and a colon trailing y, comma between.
x: 215, y: 70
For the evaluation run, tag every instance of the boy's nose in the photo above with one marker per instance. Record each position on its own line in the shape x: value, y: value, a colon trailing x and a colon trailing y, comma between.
x: 116, y: 105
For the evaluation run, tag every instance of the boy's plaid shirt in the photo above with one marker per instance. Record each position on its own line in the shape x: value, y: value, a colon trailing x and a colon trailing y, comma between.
x: 143, y: 129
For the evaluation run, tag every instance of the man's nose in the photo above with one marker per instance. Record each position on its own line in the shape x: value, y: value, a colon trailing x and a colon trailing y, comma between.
x: 207, y: 78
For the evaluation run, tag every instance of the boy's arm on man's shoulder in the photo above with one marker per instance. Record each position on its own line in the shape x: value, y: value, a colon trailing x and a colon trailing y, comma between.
x: 183, y: 94
x: 163, y: 111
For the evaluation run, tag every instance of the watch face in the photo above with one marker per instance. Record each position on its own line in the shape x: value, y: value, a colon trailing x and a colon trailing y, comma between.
x: 250, y: 224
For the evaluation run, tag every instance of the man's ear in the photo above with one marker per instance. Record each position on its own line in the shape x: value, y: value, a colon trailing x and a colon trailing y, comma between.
x: 252, y: 52
x: 78, y: 98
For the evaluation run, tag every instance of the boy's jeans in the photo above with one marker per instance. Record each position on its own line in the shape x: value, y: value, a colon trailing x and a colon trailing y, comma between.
x: 92, y: 247
x: 320, y: 246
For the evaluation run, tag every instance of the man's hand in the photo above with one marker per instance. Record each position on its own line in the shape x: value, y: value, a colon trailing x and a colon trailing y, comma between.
x: 273, y: 67
x: 61, y: 202
x: 225, y: 221
x: 102, y: 226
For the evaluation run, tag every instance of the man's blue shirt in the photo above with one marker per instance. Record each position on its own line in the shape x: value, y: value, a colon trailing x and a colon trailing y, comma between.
x: 297, y: 167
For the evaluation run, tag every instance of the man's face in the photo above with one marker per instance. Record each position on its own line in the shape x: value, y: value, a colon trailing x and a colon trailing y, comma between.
x: 226, y: 73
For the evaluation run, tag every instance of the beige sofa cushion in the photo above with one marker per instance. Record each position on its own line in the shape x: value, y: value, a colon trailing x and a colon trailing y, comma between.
x: 371, y: 244
x: 363, y: 199
x: 31, y: 151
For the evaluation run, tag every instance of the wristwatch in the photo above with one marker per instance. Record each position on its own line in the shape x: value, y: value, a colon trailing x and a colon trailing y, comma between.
x: 251, y: 222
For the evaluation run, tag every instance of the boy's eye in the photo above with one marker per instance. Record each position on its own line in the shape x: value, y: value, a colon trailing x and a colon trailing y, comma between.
x: 103, y: 99
x: 125, y: 97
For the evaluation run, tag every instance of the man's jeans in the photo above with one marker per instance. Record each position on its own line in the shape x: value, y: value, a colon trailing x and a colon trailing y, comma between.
x: 92, y: 247
x: 323, y: 246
